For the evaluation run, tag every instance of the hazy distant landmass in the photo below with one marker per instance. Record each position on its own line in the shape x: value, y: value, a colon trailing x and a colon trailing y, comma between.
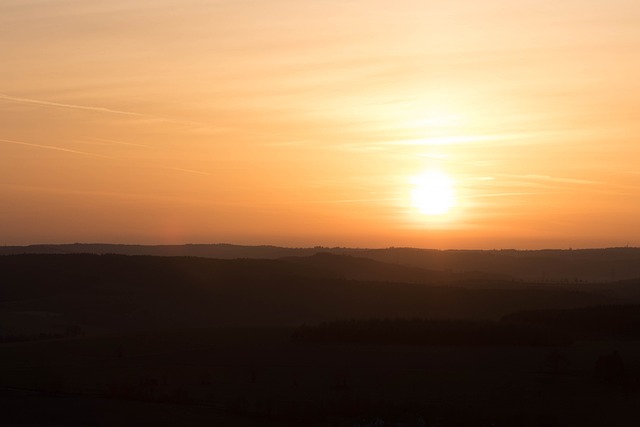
x: 117, y: 292
x: 609, y: 264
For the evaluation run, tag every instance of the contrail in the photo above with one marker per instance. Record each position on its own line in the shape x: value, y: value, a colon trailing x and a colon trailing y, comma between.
x: 71, y: 106
x: 350, y: 200
x: 101, y: 110
x: 121, y: 143
x: 185, y: 170
x: 558, y: 179
x: 51, y: 147
x: 505, y: 194
x: 84, y: 153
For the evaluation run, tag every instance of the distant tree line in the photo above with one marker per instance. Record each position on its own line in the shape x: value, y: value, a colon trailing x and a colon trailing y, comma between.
x: 401, y: 331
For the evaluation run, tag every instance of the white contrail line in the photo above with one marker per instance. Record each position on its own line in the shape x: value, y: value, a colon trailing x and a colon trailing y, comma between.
x: 84, y: 153
x: 6, y: 97
x: 71, y: 106
x: 506, y: 194
x: 121, y: 142
x: 52, y: 147
x: 548, y: 178
x: 350, y: 200
x: 184, y: 170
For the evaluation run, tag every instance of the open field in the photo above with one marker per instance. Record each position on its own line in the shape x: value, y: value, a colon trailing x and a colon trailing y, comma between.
x: 113, y: 339
x: 260, y: 375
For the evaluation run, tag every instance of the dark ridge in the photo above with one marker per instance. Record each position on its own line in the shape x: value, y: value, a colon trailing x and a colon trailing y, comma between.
x: 116, y: 292
x: 358, y: 268
x: 554, y: 266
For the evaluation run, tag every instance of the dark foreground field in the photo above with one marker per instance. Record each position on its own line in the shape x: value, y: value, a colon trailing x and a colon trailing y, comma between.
x: 259, y: 377
x: 123, y: 340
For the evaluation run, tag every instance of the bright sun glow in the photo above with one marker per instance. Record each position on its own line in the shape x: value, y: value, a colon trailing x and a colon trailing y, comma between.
x: 433, y: 193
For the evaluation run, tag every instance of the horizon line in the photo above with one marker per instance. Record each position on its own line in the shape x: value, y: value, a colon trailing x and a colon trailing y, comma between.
x: 319, y: 246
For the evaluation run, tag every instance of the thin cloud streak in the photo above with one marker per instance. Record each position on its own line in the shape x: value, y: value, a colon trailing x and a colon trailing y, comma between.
x: 476, y: 196
x: 101, y: 110
x: 558, y: 179
x: 351, y: 200
x: 185, y: 170
x: 70, y: 106
x: 54, y: 148
x: 115, y: 195
x: 84, y: 153
x: 448, y: 140
x: 111, y: 141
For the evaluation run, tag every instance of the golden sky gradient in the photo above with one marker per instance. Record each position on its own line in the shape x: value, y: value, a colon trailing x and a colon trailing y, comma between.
x: 308, y: 123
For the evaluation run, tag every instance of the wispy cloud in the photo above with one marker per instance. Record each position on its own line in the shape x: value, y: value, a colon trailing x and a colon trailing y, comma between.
x: 104, y: 110
x: 563, y: 180
x: 474, y: 196
x: 70, y: 106
x: 113, y: 142
x: 185, y: 170
x: 543, y: 181
x: 351, y: 200
x: 449, y: 140
x: 136, y: 196
x: 85, y: 153
x: 54, y: 148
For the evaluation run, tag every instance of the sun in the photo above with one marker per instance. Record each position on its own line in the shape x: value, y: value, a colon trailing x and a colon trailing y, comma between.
x: 433, y: 193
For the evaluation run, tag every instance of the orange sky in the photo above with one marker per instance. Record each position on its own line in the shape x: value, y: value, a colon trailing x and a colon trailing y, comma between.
x: 307, y: 122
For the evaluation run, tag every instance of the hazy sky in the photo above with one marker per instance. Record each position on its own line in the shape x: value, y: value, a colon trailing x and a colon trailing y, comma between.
x: 298, y: 122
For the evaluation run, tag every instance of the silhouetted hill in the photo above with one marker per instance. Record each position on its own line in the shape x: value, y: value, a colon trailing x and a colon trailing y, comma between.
x: 221, y: 250
x: 115, y: 292
x: 570, y: 266
x: 564, y: 266
x: 357, y: 268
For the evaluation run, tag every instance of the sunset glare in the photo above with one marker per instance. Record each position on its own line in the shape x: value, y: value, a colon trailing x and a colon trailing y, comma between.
x: 303, y: 123
x: 433, y: 193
